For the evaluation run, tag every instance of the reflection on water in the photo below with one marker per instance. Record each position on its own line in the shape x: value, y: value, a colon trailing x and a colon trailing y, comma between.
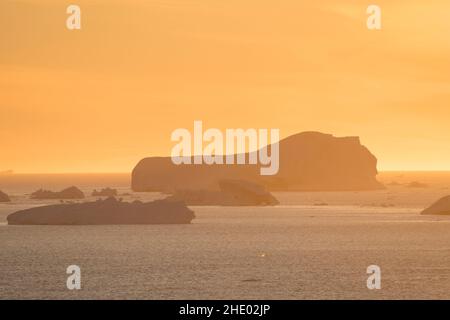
x: 293, y: 254
x: 298, y: 250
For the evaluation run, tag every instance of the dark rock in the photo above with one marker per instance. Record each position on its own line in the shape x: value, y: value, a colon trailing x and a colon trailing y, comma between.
x: 105, y: 212
x: 69, y: 193
x: 232, y: 193
x: 106, y: 192
x: 4, y: 197
x: 309, y: 161
x: 441, y: 207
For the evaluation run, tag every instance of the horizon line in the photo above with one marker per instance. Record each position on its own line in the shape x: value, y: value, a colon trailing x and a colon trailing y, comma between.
x: 129, y: 172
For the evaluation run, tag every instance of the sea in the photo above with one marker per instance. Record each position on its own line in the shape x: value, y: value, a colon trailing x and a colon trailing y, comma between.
x: 314, y: 245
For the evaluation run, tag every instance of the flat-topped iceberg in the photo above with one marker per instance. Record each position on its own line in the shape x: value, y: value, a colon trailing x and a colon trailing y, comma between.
x: 309, y: 161
x: 231, y: 193
x: 105, y: 212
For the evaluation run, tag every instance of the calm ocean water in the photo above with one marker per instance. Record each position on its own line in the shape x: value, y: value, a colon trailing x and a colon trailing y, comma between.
x: 294, y: 251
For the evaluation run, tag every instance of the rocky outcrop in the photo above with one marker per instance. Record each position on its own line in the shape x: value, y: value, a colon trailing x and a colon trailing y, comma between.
x: 105, y: 212
x: 232, y: 193
x: 4, y: 197
x: 69, y: 193
x: 309, y: 161
x: 441, y: 207
x: 106, y: 192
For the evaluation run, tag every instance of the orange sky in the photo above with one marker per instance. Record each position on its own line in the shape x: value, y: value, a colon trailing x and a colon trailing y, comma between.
x: 102, y: 98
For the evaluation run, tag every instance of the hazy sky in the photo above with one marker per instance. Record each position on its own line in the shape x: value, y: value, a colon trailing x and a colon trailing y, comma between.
x: 101, y: 98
